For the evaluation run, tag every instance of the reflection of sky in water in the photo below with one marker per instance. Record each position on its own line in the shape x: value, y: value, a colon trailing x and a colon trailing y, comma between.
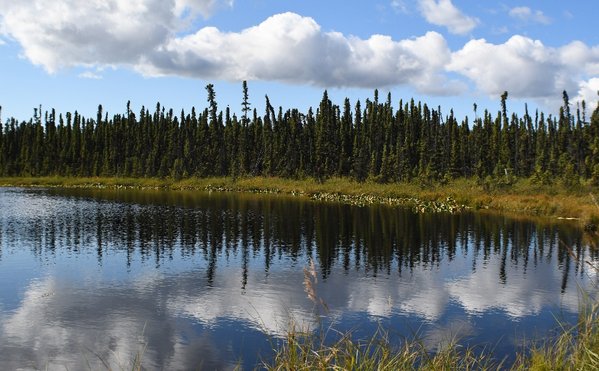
x: 89, y: 279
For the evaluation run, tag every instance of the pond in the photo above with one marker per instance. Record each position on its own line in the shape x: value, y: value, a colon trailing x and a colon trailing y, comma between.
x: 194, y: 280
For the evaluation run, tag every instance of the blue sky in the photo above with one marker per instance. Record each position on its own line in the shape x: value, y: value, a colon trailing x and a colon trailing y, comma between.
x: 75, y: 54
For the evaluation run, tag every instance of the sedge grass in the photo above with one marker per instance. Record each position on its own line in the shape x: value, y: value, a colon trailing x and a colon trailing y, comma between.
x: 523, y: 197
x: 574, y: 348
x: 306, y: 351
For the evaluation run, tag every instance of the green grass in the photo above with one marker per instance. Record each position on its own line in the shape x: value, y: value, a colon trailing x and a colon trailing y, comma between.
x: 305, y: 351
x: 577, y: 348
x: 523, y: 197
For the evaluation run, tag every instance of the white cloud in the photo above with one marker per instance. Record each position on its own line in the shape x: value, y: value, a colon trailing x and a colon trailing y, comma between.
x: 286, y: 47
x: 444, y: 13
x: 154, y: 38
x: 588, y: 91
x: 56, y: 34
x: 524, y: 67
x: 578, y: 55
x: 524, y: 13
x: 90, y: 75
x: 64, y: 33
x: 291, y: 48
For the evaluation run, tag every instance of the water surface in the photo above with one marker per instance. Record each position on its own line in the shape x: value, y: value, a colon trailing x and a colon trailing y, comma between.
x: 213, y: 280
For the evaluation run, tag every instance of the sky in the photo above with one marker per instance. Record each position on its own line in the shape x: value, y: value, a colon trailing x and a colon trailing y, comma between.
x: 76, y: 54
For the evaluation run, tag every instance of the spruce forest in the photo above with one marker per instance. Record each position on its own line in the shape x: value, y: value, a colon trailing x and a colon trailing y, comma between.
x: 369, y: 141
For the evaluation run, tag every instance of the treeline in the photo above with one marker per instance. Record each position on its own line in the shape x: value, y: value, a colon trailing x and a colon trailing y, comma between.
x: 370, y: 141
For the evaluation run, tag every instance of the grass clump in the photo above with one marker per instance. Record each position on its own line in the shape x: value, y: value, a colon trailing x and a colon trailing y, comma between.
x: 306, y: 351
x: 575, y: 348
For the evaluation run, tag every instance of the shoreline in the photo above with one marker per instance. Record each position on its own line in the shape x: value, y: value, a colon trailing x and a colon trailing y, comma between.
x: 523, y: 198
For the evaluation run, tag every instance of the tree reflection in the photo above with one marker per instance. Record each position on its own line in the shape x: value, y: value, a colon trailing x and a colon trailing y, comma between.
x: 230, y: 229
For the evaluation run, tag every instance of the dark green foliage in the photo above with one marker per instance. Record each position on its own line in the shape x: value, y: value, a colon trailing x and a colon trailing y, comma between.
x: 373, y: 141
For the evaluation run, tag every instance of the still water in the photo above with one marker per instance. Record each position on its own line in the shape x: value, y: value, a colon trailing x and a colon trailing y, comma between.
x: 191, y: 280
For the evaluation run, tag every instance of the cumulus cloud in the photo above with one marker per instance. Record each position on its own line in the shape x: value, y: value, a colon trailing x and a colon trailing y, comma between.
x: 291, y: 48
x: 64, y: 33
x: 525, y: 67
x: 524, y: 13
x: 588, y: 91
x: 444, y: 13
x: 578, y: 55
x: 145, y: 35
x: 154, y: 38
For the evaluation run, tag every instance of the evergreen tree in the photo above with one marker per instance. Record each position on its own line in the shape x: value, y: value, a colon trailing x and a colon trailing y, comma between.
x: 371, y: 141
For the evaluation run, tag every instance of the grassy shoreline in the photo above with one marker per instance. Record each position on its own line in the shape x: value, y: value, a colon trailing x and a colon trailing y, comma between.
x: 574, y: 348
x: 523, y: 198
